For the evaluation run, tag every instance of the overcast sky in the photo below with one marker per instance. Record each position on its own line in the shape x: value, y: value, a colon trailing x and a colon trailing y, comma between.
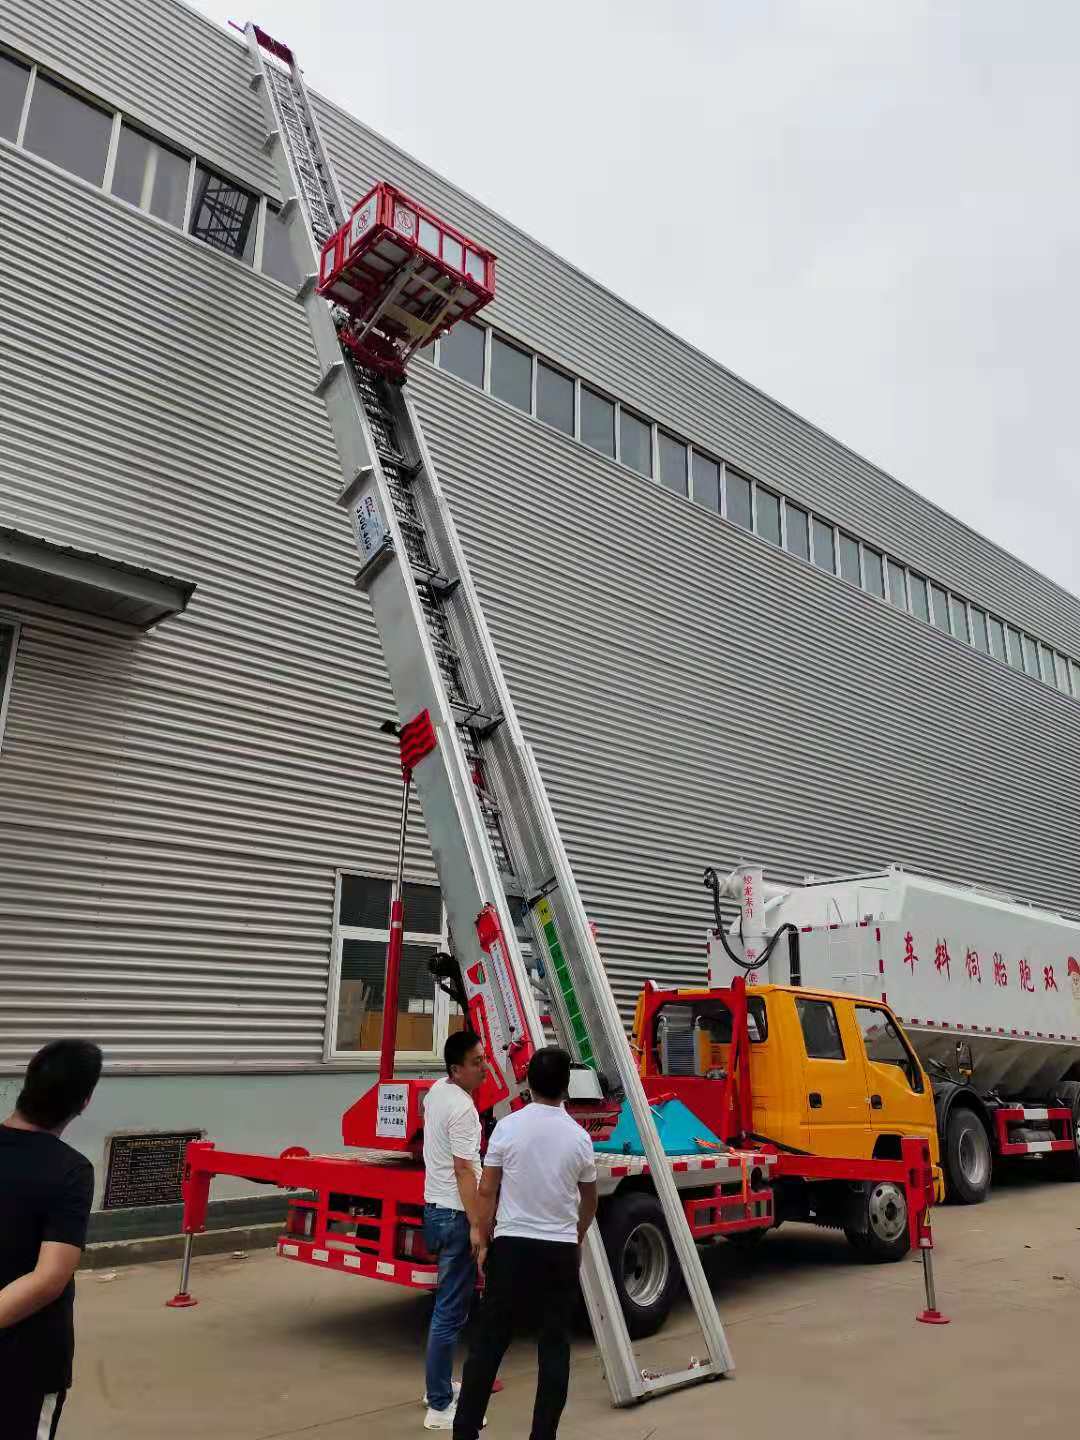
x: 886, y: 191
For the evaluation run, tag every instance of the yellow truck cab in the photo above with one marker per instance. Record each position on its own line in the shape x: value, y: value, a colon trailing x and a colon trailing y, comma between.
x: 831, y: 1074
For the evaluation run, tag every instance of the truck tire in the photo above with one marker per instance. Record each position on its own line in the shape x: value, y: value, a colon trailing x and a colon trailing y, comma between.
x: 966, y: 1157
x: 1067, y: 1166
x: 879, y: 1234
x: 642, y: 1260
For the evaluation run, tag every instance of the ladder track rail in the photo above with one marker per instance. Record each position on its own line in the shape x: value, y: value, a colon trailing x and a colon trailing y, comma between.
x: 492, y: 831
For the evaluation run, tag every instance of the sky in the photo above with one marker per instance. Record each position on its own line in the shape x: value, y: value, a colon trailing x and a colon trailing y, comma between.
x: 885, y: 190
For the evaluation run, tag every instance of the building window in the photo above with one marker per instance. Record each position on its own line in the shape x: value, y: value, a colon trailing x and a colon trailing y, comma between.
x: 461, y: 351
x: 223, y: 214
x: 672, y: 456
x: 897, y: 586
x: 1074, y: 671
x: 940, y: 608
x: 849, y: 560
x: 1016, y: 648
x: 1046, y: 665
x: 706, y: 482
x: 1061, y: 667
x: 597, y: 422
x: 9, y: 636
x: 797, y: 531
x: 738, y: 499
x: 277, y: 256
x: 997, y: 638
x: 359, y: 967
x: 13, y: 78
x: 511, y: 374
x: 635, y: 442
x: 68, y: 131
x: 824, y: 546
x: 148, y: 175
x: 1031, y: 658
x: 554, y: 398
x: 920, y: 600
x: 767, y: 515
x: 873, y: 574
x: 980, y: 637
x: 958, y: 619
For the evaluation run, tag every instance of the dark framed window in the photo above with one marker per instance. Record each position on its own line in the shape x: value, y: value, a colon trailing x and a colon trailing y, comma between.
x: 635, y: 442
x: 13, y: 78
x: 849, y: 560
x: 767, y: 515
x: 68, y: 130
x: 277, y: 255
x: 706, y: 482
x: 672, y: 457
x: 223, y: 214
x: 511, y: 374
x: 873, y: 574
x: 897, y: 586
x: 958, y: 618
x: 797, y: 530
x: 821, y: 1029
x: 920, y: 598
x: 980, y: 636
x: 150, y: 176
x: 361, y: 936
x: 738, y: 499
x: 824, y: 546
x: 8, y: 638
x: 597, y: 422
x: 554, y: 398
x: 461, y: 351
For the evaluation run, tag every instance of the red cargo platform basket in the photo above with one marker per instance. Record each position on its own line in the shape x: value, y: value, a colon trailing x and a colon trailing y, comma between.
x: 404, y: 276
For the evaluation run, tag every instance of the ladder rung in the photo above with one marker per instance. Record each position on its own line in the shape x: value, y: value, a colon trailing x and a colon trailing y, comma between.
x: 324, y: 383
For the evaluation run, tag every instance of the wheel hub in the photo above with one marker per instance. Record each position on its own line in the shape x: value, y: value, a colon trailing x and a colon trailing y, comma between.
x: 645, y: 1264
x: 887, y: 1212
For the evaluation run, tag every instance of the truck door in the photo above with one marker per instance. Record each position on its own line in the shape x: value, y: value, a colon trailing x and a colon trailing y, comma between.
x: 897, y: 1093
x: 834, y: 1076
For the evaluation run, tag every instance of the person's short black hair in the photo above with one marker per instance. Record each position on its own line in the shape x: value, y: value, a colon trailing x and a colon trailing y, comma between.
x: 549, y: 1073
x: 457, y: 1047
x: 59, y: 1081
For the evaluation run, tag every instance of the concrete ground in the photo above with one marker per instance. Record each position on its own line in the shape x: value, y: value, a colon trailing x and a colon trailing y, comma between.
x: 824, y: 1346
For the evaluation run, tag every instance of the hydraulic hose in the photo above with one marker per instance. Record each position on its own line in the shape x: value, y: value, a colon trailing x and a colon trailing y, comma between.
x: 712, y: 884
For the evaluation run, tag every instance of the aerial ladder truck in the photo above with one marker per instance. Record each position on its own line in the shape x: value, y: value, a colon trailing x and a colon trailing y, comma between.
x: 381, y: 281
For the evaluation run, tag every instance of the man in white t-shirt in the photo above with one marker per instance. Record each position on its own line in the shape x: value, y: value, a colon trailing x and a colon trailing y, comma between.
x: 540, y: 1166
x: 451, y: 1176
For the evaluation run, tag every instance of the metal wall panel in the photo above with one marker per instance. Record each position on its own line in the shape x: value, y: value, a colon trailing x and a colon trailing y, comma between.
x: 173, y: 806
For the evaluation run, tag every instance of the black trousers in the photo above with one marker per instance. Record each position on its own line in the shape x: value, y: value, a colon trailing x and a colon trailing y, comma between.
x: 527, y: 1283
x: 29, y: 1414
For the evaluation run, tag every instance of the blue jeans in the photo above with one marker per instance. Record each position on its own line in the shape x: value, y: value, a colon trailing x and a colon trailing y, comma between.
x: 446, y: 1235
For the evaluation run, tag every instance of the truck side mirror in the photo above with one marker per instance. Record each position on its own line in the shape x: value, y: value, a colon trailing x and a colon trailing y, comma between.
x: 964, y: 1064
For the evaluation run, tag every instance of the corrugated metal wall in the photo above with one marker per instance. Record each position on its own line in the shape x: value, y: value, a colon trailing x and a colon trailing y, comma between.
x: 172, y: 806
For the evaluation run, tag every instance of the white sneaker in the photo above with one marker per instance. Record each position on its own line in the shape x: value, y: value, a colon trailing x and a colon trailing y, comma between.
x: 441, y: 1419
x: 444, y: 1419
x: 455, y: 1386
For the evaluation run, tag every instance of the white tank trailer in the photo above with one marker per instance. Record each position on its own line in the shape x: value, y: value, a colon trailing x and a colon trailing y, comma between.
x: 987, y: 989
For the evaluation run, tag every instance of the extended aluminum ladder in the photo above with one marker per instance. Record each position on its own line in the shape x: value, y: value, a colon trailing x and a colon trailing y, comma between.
x: 492, y: 832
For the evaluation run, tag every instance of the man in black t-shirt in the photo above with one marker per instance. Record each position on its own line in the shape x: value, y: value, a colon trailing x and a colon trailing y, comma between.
x: 45, y: 1192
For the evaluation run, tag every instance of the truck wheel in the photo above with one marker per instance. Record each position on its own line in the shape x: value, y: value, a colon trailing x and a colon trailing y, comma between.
x: 882, y: 1236
x: 1068, y: 1162
x: 967, y: 1159
x: 642, y: 1260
